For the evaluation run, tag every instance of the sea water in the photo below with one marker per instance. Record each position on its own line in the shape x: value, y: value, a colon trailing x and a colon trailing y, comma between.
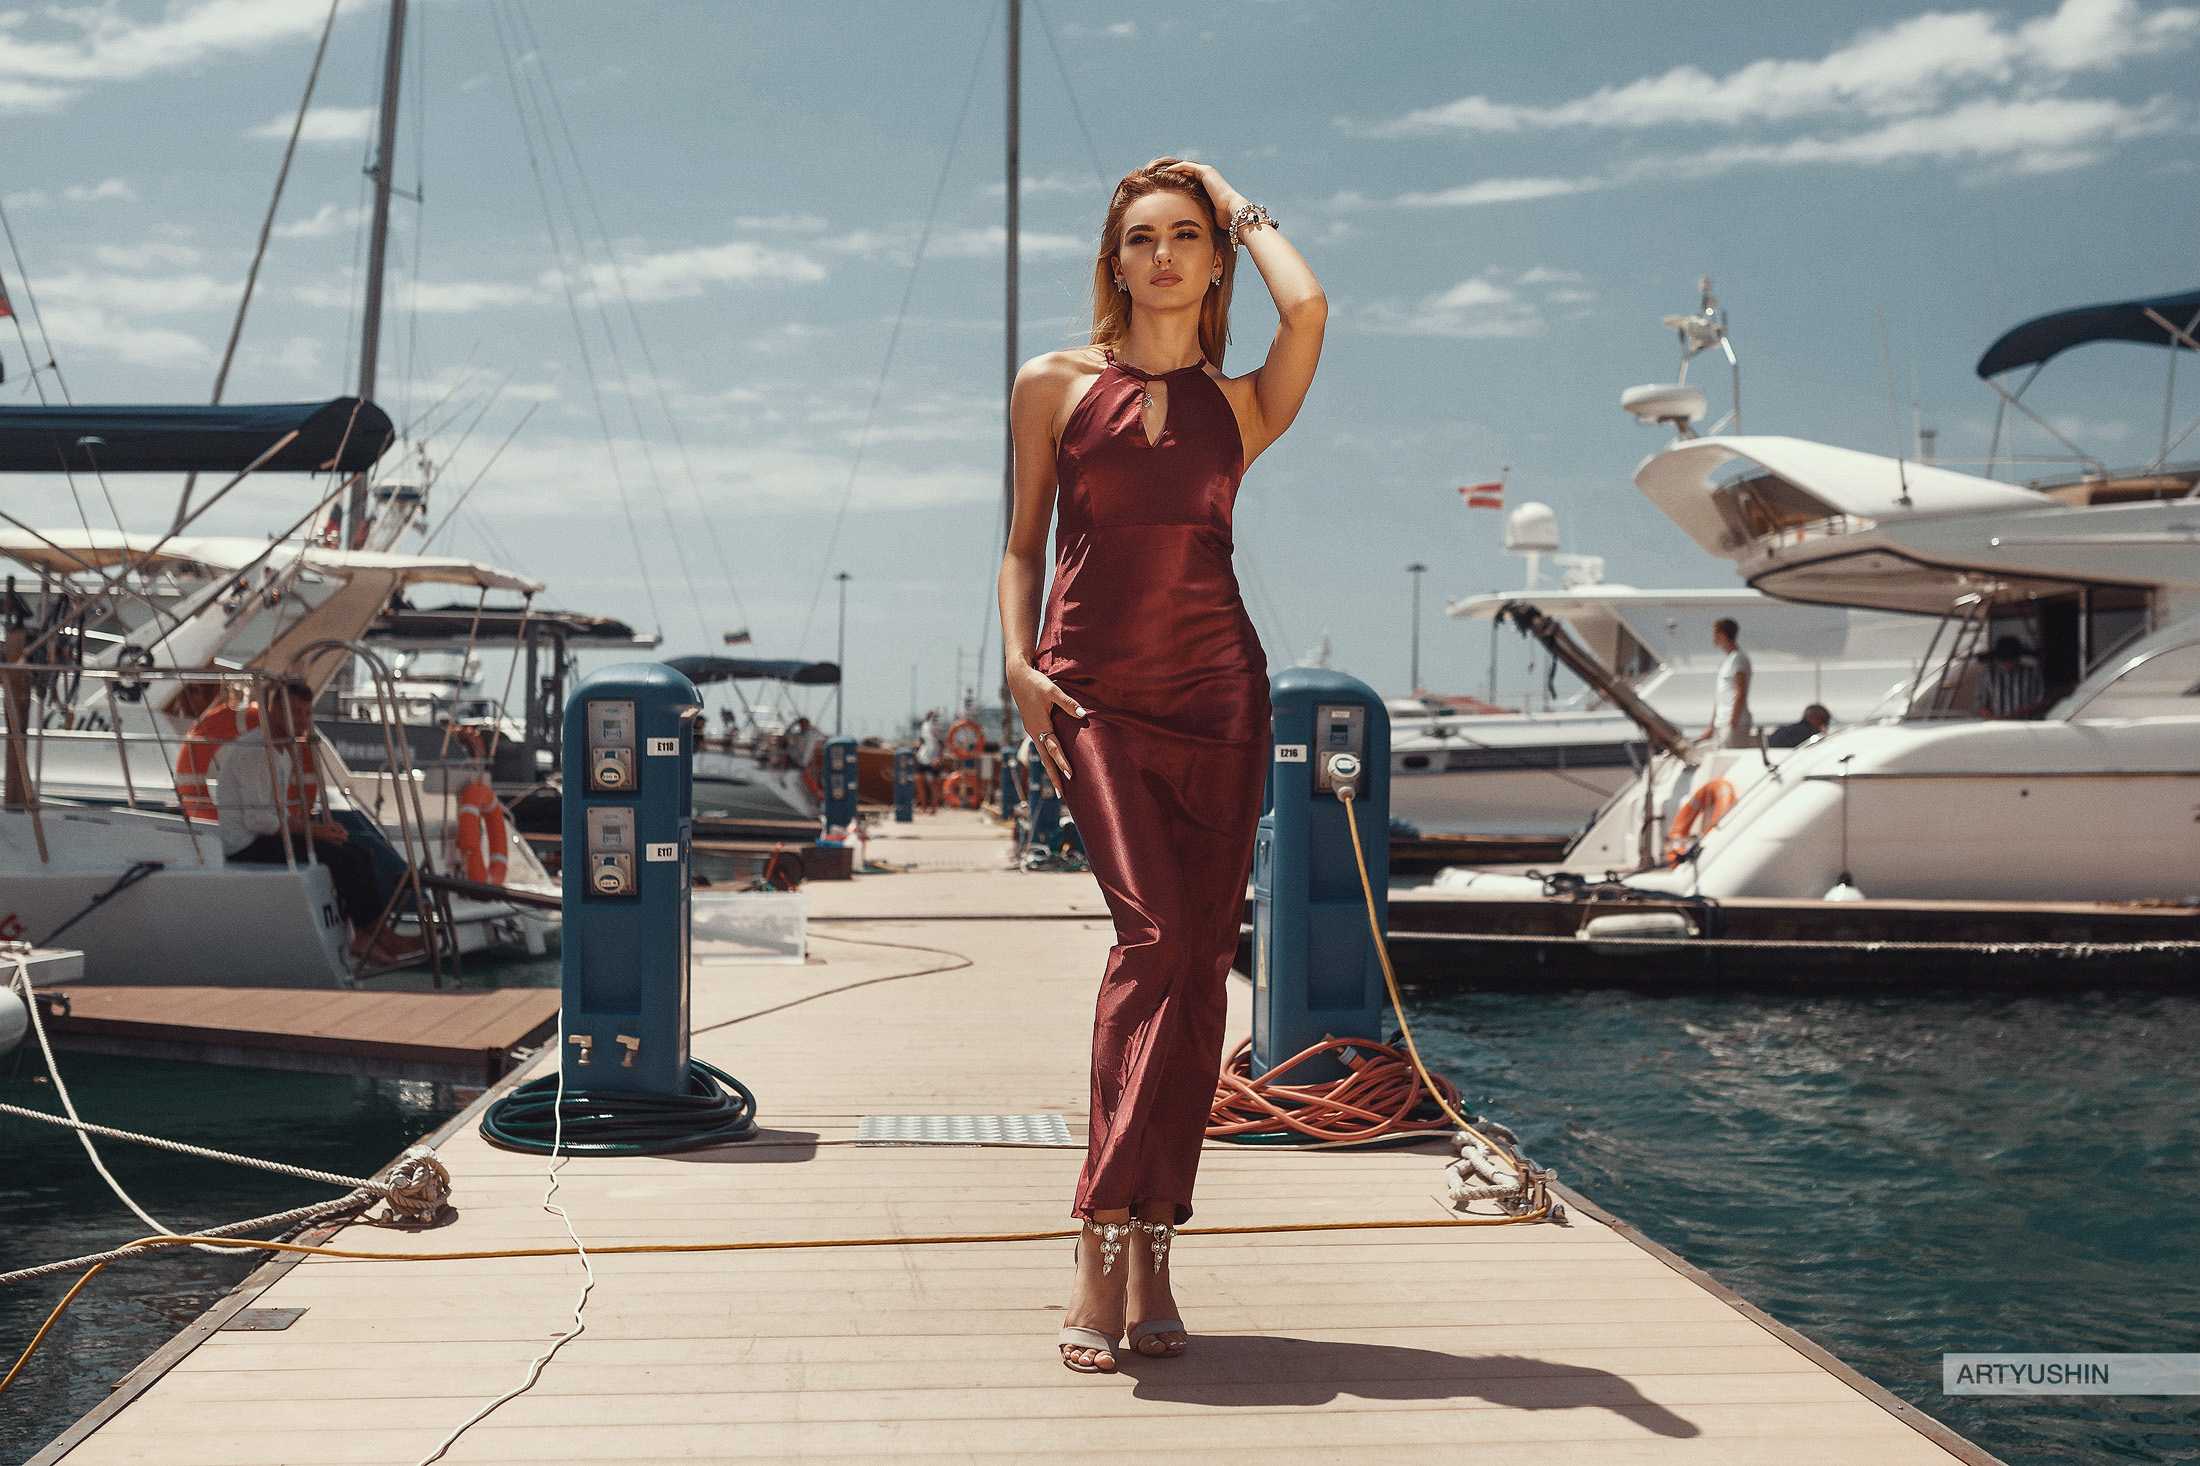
x: 1894, y: 1176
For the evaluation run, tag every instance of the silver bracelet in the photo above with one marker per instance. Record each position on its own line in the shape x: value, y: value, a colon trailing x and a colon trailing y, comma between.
x: 1252, y: 216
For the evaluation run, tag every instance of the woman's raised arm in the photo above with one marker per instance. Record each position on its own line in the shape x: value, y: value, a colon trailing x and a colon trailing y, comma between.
x: 1281, y: 382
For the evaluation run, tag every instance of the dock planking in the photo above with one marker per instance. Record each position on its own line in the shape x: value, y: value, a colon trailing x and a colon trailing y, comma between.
x: 454, y: 1037
x: 1398, y: 1346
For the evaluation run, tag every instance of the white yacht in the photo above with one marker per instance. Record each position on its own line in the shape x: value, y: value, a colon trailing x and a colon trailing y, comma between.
x: 2089, y: 588
x: 126, y: 641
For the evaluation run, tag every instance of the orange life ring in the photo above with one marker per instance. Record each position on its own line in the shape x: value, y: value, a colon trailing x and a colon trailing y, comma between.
x: 963, y: 747
x: 214, y: 730
x: 482, y: 844
x: 962, y: 790
x: 1708, y: 804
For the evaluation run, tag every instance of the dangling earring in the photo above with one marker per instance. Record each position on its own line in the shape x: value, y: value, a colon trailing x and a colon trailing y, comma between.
x: 1119, y: 285
x: 1215, y: 278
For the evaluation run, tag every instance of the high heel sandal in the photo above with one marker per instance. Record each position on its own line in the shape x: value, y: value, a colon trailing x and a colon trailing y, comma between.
x: 1112, y: 1236
x: 1158, y: 1237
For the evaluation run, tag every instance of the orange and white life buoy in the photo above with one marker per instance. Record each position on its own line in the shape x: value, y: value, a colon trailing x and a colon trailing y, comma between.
x: 1708, y: 805
x: 966, y: 739
x: 482, y: 844
x: 215, y: 729
x: 962, y: 790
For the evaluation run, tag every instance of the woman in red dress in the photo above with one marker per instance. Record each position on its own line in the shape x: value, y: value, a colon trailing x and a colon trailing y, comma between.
x: 1147, y: 689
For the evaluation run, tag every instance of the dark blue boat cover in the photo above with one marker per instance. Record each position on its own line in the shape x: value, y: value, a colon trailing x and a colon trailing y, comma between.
x: 700, y: 670
x: 2037, y: 340
x: 345, y: 435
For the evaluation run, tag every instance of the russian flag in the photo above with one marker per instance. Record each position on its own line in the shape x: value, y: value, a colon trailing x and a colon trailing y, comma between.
x: 738, y: 638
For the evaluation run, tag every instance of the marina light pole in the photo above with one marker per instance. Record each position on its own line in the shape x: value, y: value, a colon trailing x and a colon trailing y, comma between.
x: 1014, y: 180
x: 840, y: 688
x: 370, y: 330
x: 1416, y: 570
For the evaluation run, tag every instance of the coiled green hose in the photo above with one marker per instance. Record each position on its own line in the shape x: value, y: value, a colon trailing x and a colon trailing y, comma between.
x: 718, y: 1109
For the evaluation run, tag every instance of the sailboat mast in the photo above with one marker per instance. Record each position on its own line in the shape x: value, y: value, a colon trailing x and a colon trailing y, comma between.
x: 370, y: 334
x: 1009, y: 333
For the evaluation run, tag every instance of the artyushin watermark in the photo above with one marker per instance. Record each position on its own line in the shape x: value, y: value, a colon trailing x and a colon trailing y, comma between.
x: 2070, y: 1374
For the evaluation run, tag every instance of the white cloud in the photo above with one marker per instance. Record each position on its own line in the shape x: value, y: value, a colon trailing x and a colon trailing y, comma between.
x: 326, y: 220
x: 1480, y: 306
x: 140, y: 257
x: 96, y: 43
x: 322, y: 125
x: 1969, y: 89
x: 88, y: 330
x: 111, y: 190
x: 29, y: 199
x: 684, y: 272
x: 783, y: 223
x: 139, y: 294
x: 899, y: 242
x: 1122, y: 30
x: 1499, y: 191
x: 1903, y: 69
x: 432, y: 297
x: 1069, y: 183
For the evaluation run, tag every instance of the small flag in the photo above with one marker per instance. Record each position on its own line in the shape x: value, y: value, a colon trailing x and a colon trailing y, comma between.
x: 1483, y: 496
x: 6, y: 308
x: 738, y: 638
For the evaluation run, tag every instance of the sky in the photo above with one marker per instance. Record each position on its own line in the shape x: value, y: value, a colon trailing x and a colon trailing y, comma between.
x: 728, y: 276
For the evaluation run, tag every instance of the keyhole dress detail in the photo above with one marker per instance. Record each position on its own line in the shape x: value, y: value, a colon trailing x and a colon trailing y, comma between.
x: 1146, y: 629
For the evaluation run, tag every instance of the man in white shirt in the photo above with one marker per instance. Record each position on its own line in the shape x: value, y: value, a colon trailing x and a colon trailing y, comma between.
x: 1731, y: 725
x: 263, y: 797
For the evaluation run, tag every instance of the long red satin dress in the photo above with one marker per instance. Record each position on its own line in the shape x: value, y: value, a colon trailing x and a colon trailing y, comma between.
x: 1145, y: 628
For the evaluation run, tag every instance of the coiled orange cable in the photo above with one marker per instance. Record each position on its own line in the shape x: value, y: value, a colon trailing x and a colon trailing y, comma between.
x: 1376, y: 1101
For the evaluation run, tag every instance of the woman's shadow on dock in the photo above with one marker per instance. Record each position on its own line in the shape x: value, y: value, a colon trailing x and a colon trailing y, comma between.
x: 1261, y: 1371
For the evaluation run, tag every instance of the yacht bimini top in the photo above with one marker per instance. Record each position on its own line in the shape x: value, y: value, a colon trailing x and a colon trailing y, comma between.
x: 702, y: 670
x: 67, y: 552
x: 2042, y: 338
x: 344, y: 435
x: 1737, y: 496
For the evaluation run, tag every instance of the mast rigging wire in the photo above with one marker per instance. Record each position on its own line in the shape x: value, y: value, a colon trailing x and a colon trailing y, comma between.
x: 641, y: 338
x: 580, y: 335
x: 893, y: 338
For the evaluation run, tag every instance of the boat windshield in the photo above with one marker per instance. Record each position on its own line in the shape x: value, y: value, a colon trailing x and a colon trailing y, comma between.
x: 2163, y: 685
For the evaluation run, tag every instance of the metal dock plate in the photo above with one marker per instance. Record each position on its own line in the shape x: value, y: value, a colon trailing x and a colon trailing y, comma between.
x: 262, y: 1320
x: 961, y: 1129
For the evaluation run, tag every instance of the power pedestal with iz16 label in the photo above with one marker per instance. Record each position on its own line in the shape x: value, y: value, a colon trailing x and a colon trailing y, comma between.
x: 629, y: 799
x: 1316, y: 973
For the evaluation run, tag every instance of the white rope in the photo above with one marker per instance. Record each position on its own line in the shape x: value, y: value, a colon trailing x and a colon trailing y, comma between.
x: 357, y: 1199
x: 588, y: 1282
x: 20, y: 953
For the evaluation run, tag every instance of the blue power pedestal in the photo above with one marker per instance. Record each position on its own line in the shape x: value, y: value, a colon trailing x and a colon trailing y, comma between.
x: 1315, y: 969
x: 905, y: 786
x: 628, y: 803
x: 840, y: 786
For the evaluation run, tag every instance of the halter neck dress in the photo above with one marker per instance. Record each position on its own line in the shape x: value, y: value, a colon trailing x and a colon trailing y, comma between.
x: 1145, y: 628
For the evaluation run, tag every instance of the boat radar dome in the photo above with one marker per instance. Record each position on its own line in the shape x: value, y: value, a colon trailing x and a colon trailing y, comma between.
x: 1666, y: 402
x: 1532, y: 529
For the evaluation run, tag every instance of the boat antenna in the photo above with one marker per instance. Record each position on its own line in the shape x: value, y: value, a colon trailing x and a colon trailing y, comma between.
x: 1894, y: 420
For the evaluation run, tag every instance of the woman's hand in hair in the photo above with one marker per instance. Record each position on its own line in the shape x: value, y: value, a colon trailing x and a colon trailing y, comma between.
x: 1226, y: 199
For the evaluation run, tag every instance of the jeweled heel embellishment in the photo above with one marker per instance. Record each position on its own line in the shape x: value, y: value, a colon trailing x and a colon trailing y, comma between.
x: 1112, y: 1235
x: 1158, y: 1236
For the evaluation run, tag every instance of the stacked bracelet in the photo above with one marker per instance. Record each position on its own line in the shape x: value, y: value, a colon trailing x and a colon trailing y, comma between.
x: 1252, y: 216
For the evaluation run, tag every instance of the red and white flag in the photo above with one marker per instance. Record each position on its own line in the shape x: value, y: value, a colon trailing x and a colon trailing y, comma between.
x: 1483, y: 496
x: 5, y: 308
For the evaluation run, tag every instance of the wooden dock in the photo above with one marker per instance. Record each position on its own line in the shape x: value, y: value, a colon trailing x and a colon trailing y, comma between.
x: 1575, y: 1342
x: 457, y: 1038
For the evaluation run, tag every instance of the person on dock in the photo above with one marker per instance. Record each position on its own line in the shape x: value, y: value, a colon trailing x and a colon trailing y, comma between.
x: 264, y: 794
x: 1147, y: 689
x: 1731, y: 725
x: 1812, y: 724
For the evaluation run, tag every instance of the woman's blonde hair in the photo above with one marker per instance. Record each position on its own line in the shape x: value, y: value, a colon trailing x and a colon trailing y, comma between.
x: 1111, y: 308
